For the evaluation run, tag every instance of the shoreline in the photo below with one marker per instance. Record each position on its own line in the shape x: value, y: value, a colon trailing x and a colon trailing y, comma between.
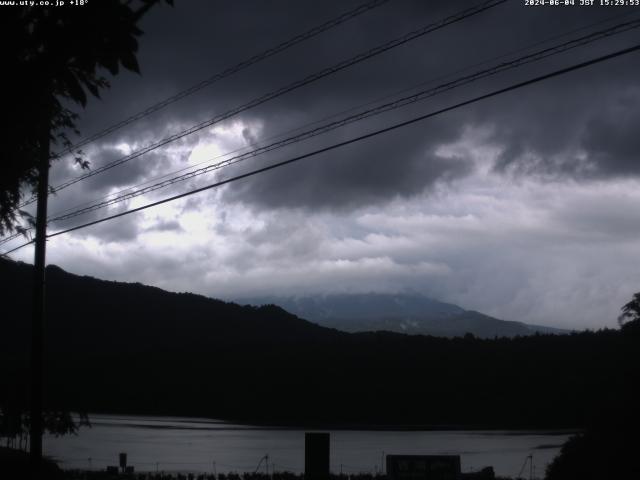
x: 249, y: 424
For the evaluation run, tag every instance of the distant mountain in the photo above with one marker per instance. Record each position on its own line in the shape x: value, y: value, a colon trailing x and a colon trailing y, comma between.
x: 401, y: 313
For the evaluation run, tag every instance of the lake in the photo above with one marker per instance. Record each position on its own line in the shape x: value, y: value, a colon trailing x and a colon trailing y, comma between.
x: 205, y: 445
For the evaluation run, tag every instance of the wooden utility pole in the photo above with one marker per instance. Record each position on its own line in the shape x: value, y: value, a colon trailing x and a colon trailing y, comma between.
x: 37, y: 321
x: 531, y: 467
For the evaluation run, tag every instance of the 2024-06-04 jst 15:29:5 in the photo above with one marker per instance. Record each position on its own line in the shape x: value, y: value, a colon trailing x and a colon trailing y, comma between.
x: 582, y: 3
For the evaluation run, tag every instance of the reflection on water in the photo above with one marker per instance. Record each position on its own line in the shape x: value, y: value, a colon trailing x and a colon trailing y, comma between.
x: 204, y: 445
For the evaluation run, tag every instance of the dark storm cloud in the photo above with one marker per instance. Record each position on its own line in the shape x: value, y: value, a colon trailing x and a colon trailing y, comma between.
x: 428, y: 208
x: 611, y: 137
x: 396, y: 166
x: 126, y: 174
x: 567, y: 127
x: 121, y: 230
x: 580, y: 129
x: 165, y: 226
x: 98, y: 188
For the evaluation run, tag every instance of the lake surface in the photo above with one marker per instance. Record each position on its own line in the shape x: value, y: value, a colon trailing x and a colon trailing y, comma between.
x: 205, y: 445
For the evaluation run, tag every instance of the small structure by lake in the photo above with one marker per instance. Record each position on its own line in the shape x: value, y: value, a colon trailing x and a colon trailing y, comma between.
x: 423, y: 467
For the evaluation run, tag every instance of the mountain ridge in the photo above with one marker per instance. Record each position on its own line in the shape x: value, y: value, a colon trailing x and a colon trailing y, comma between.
x: 408, y: 313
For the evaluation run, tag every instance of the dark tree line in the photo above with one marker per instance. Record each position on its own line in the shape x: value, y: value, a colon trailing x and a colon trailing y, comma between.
x: 117, y: 347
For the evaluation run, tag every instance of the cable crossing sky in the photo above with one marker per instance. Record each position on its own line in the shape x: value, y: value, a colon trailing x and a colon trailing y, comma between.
x: 451, y: 19
x: 494, y: 93
x: 281, y: 47
x: 399, y: 103
x: 359, y: 10
x: 620, y: 28
x: 135, y: 191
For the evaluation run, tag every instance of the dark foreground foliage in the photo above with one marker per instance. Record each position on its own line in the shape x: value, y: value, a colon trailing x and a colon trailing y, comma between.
x: 15, y: 465
x: 608, y: 450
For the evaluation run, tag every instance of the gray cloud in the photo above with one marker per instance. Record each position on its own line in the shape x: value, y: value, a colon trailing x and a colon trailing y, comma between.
x: 400, y: 165
x: 611, y: 137
x: 125, y: 230
x: 555, y: 254
x: 511, y: 206
x: 540, y: 131
x: 165, y: 226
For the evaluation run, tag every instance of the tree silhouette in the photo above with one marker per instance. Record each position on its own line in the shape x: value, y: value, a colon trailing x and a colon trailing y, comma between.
x: 630, y: 311
x: 51, y: 58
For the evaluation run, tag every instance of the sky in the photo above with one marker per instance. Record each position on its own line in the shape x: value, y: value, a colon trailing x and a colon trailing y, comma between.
x: 523, y: 206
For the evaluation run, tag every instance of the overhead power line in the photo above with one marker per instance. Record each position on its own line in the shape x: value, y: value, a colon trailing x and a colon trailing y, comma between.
x: 466, y: 13
x: 11, y: 237
x: 359, y: 10
x: 422, y: 95
x: 133, y: 189
x: 401, y: 102
x: 516, y: 86
x: 16, y: 248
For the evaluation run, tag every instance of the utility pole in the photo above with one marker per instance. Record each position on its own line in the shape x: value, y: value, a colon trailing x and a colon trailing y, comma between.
x: 531, y: 467
x: 37, y: 320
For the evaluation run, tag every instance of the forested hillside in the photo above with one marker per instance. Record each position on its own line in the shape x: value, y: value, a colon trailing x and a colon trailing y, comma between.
x: 118, y: 347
